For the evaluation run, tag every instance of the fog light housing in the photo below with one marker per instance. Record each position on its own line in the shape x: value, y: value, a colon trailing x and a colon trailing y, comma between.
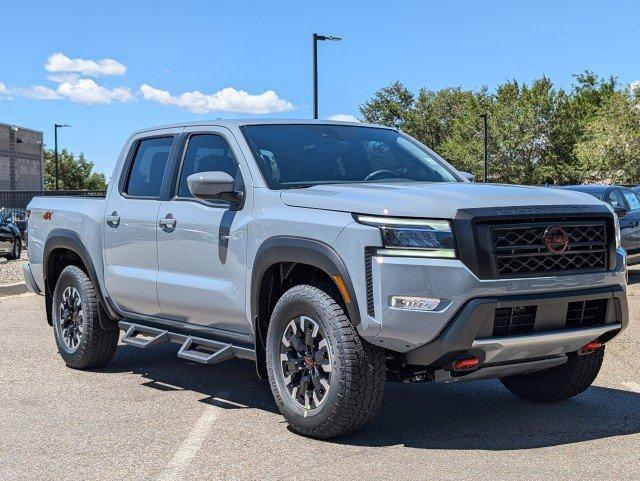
x: 412, y: 303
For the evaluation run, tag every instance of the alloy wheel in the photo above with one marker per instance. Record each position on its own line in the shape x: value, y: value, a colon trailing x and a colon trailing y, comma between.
x: 71, y: 317
x: 306, y: 362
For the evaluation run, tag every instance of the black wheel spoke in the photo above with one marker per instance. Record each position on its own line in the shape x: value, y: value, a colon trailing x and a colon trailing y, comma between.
x: 321, y: 357
x: 297, y: 344
x: 308, y: 336
x: 304, y: 385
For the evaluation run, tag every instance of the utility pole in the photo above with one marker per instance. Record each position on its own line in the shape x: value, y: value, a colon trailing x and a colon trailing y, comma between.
x: 317, y: 38
x: 55, y: 136
x: 485, y: 117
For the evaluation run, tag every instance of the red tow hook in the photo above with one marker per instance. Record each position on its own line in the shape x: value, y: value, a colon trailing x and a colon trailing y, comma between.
x: 466, y: 363
x: 590, y: 347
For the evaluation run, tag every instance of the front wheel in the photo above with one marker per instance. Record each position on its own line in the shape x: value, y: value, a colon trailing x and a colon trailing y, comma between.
x: 325, y: 379
x: 560, y: 382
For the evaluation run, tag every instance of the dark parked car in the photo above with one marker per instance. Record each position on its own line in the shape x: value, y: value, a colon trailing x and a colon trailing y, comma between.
x: 10, y: 237
x: 626, y: 203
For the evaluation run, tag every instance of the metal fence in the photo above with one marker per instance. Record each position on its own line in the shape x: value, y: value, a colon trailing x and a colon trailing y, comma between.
x: 17, y: 200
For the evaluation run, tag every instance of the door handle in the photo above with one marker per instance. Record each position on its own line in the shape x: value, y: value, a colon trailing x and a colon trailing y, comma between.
x: 113, y: 220
x: 168, y: 223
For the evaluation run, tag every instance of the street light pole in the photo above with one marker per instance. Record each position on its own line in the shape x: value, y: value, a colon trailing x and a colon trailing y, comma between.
x: 55, y: 136
x: 317, y: 38
x: 485, y: 117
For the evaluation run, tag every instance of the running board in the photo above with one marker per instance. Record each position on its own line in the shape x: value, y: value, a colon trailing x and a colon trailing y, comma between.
x: 131, y: 336
x: 198, y: 349
x: 210, y: 352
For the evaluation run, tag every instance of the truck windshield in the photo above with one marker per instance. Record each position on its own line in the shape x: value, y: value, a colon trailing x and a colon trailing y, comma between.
x: 301, y: 155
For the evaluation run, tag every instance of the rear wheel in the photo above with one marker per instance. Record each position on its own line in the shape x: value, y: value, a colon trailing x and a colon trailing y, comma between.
x: 82, y: 342
x: 16, y: 251
x: 325, y: 379
x: 560, y: 382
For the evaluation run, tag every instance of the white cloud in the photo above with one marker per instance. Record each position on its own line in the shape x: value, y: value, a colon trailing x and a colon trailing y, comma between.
x: 5, y: 93
x: 343, y: 118
x: 227, y: 99
x: 84, y: 91
x: 59, y: 63
x: 635, y: 86
x: 63, y: 77
x: 38, y: 92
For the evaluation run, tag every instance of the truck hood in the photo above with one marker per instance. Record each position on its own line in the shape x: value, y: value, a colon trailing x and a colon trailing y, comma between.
x: 428, y: 200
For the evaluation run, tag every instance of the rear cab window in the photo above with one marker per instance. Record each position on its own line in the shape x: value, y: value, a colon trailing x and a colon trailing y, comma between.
x: 147, y: 167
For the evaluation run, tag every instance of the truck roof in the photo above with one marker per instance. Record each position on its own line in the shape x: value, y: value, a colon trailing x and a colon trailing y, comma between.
x: 242, y: 122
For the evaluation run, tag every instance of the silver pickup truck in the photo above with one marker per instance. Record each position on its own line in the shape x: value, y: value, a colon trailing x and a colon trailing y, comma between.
x: 335, y: 256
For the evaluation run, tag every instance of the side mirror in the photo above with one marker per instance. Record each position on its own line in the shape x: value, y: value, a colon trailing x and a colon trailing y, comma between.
x: 620, y: 211
x: 213, y: 186
x: 469, y: 176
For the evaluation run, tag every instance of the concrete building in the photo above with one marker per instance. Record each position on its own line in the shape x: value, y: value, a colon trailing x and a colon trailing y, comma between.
x: 21, y: 162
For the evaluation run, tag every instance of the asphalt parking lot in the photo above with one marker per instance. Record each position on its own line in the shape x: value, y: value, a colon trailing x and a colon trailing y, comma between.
x: 150, y: 415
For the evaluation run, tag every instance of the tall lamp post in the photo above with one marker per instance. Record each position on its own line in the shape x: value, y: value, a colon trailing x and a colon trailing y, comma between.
x: 485, y: 118
x: 317, y: 38
x: 55, y: 136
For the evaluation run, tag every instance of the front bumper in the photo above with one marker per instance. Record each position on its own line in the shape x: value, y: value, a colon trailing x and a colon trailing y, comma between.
x: 470, y: 332
x: 452, y: 282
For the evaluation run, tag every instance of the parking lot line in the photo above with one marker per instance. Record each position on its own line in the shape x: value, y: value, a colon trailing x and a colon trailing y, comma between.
x: 190, y: 446
x: 631, y: 385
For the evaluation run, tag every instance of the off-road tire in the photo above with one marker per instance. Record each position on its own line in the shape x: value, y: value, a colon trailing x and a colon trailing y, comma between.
x: 560, y: 382
x: 97, y: 345
x: 357, y: 367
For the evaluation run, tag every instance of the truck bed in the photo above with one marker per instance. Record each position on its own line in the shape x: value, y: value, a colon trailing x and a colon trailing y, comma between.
x: 82, y: 215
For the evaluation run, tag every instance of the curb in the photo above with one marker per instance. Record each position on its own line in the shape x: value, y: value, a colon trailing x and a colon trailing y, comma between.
x: 13, y: 289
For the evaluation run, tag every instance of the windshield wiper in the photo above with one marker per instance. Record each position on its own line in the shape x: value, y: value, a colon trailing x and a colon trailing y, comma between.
x: 301, y: 186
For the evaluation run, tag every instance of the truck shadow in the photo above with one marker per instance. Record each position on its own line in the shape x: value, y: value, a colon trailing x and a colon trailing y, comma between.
x: 476, y: 415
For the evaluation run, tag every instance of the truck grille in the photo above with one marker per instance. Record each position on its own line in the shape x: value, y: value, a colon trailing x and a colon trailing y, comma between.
x: 547, y: 248
x: 509, y: 321
x: 518, y: 320
x: 586, y: 313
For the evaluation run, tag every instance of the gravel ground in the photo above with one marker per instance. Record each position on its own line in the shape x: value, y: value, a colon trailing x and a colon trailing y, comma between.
x: 11, y: 271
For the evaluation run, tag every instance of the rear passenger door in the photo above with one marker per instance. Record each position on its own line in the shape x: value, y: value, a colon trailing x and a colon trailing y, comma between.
x: 202, y: 253
x: 130, y: 250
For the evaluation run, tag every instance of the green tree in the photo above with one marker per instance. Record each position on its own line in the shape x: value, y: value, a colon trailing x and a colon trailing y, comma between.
x: 534, y: 129
x: 74, y: 173
x: 567, y: 128
x: 610, y: 148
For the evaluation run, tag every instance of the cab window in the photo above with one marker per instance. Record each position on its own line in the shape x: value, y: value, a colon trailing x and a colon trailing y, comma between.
x: 148, y: 166
x: 632, y: 199
x: 206, y: 153
x: 615, y: 199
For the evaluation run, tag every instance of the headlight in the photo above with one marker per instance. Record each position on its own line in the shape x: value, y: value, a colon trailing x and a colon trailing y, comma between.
x: 413, y: 237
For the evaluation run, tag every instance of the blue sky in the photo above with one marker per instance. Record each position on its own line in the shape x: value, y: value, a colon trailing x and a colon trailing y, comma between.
x: 234, y: 52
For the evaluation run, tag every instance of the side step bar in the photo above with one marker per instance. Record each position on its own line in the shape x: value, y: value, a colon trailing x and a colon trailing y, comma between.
x: 155, y: 337
x: 198, y: 349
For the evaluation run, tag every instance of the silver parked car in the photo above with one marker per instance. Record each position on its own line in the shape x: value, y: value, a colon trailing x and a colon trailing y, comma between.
x: 335, y: 256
